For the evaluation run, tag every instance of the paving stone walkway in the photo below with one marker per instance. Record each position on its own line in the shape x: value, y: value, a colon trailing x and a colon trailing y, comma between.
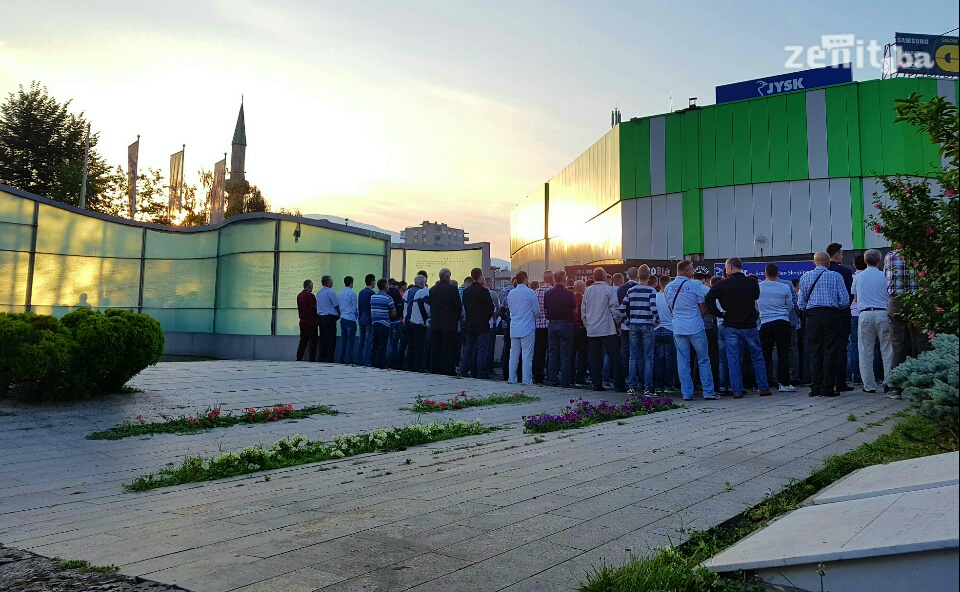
x: 501, y: 511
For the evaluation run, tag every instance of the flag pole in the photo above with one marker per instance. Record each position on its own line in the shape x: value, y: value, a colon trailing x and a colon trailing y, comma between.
x: 86, y: 162
x: 183, y: 165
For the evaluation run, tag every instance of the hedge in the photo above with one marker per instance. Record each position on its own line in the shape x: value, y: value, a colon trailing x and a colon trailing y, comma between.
x: 85, y: 353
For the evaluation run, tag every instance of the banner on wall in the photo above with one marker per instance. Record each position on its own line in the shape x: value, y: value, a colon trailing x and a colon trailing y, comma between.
x: 216, y: 199
x: 133, y: 155
x: 460, y: 263
x: 928, y: 55
x: 788, y: 270
x: 784, y: 83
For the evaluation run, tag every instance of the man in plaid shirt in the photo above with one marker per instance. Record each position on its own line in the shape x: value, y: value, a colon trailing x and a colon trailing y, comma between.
x: 906, y: 338
x: 541, y: 339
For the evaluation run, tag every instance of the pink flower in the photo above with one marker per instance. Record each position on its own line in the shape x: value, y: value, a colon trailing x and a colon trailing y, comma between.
x: 906, y: 189
x: 939, y: 309
x: 251, y: 410
x: 949, y: 193
x: 139, y: 418
x: 877, y: 228
x: 878, y: 206
x: 928, y: 230
x: 922, y: 273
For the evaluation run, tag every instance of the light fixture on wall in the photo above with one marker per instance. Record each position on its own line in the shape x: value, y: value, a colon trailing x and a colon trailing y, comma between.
x: 296, y: 233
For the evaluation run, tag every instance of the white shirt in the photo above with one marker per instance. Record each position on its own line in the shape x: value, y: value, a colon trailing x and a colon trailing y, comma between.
x: 421, y: 295
x: 327, y: 302
x: 600, y: 311
x: 685, y: 297
x: 349, y: 306
x: 524, y: 308
x: 775, y: 302
x: 666, y: 317
x: 870, y: 288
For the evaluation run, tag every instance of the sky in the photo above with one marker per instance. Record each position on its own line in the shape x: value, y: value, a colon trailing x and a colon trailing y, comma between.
x: 395, y: 112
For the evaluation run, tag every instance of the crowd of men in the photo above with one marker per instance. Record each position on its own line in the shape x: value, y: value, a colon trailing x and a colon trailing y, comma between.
x: 636, y: 334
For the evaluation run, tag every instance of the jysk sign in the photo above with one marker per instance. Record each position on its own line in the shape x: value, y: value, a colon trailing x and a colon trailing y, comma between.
x: 930, y: 55
x: 788, y: 269
x: 775, y: 85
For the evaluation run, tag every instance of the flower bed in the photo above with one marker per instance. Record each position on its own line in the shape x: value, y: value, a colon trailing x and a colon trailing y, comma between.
x: 582, y: 413
x: 463, y: 400
x: 298, y: 450
x: 207, y: 420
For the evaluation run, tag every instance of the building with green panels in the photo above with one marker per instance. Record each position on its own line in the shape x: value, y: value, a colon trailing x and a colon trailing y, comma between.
x: 226, y: 290
x: 799, y: 168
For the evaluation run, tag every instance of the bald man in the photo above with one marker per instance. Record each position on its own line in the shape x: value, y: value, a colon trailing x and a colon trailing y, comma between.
x: 823, y: 296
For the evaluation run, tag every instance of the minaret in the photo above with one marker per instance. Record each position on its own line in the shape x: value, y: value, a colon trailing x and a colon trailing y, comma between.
x: 238, y: 154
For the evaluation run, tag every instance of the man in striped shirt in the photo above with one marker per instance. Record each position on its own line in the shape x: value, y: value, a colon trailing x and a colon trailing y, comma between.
x: 823, y: 295
x: 639, y: 311
x: 382, y: 312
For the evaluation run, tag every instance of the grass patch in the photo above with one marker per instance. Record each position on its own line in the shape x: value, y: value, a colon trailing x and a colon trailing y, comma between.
x: 208, y: 420
x: 83, y: 566
x: 675, y: 567
x: 297, y: 450
x: 462, y: 401
x: 582, y: 413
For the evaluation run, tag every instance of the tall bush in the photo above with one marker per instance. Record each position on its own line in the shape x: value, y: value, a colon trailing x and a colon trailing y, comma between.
x: 85, y: 353
x: 923, y: 224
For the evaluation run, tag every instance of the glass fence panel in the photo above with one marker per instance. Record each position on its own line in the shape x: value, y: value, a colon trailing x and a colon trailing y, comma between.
x: 245, y: 280
x: 15, y: 209
x: 14, y: 266
x: 296, y: 267
x: 181, y: 245
x: 188, y: 320
x: 61, y: 280
x: 15, y: 237
x: 68, y: 233
x: 326, y: 240
x: 179, y: 283
x: 248, y: 236
x: 243, y: 321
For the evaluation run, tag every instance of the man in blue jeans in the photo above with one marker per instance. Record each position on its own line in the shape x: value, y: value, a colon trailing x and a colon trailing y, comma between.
x: 639, y: 309
x: 365, y: 342
x: 349, y: 311
x: 665, y: 350
x: 737, y: 295
x: 686, y: 303
x: 559, y: 304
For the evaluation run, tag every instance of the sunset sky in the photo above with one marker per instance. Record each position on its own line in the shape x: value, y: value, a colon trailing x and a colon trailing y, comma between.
x: 391, y: 113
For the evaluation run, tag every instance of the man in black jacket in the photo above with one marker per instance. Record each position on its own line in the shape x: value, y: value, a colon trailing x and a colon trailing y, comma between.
x: 738, y: 296
x: 444, y: 317
x: 842, y: 337
x: 476, y: 331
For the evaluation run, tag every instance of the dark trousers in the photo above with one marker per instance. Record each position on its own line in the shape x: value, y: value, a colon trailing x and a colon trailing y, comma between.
x: 625, y: 351
x: 540, y: 344
x: 843, y: 340
x: 308, y: 342
x: 713, y: 349
x: 609, y: 344
x: 475, y: 347
x: 559, y: 349
x: 416, y: 338
x: 443, y: 352
x: 823, y: 326
x: 505, y: 353
x: 328, y: 338
x: 381, y: 337
x: 579, y: 355
x: 777, y: 334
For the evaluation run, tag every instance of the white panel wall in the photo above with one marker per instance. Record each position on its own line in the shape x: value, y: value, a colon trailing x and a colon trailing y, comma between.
x: 762, y: 215
x: 658, y: 235
x: 743, y: 206
x: 817, y: 160
x: 726, y: 222
x: 800, y: 217
x: 841, y: 216
x: 644, y: 226
x: 780, y: 207
x: 711, y: 248
x: 674, y: 225
x: 628, y: 224
x: 820, y: 232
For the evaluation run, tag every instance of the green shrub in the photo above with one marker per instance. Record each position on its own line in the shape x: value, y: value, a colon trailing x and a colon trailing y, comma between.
x: 85, y: 353
x: 934, y: 380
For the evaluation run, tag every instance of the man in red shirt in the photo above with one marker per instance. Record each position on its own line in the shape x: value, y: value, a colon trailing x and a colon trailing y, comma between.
x: 307, y: 308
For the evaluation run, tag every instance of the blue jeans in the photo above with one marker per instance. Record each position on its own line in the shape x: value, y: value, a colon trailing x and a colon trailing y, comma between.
x: 381, y: 335
x: 475, y: 347
x: 724, y: 378
x: 735, y: 340
x: 393, y: 345
x: 697, y: 341
x: 559, y: 349
x: 347, y: 345
x: 666, y: 359
x: 642, y: 342
x: 625, y: 351
x: 365, y: 346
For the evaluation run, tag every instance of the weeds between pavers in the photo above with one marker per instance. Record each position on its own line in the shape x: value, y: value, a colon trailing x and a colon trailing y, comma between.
x: 675, y: 567
x: 83, y: 566
x: 298, y: 450
x: 582, y: 413
x: 461, y: 401
x: 207, y: 420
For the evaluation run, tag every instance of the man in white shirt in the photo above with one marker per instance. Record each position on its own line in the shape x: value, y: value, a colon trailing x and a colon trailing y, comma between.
x: 665, y: 350
x: 417, y: 305
x: 328, y: 311
x: 686, y: 302
x: 600, y: 312
x: 524, y: 308
x: 775, y: 304
x: 349, y: 310
x: 870, y: 291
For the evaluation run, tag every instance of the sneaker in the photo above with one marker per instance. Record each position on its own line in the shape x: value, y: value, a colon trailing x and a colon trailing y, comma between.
x: 765, y: 393
x: 786, y: 388
x: 737, y: 395
x: 893, y: 396
x: 712, y: 397
x: 830, y: 394
x: 871, y: 391
x: 631, y: 392
x: 649, y: 393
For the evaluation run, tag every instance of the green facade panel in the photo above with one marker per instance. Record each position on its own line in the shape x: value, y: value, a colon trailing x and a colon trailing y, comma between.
x: 643, y: 158
x: 779, y: 143
x: 838, y: 142
x: 871, y: 146
x: 857, y: 213
x: 692, y: 221
x: 690, y: 156
x: 760, y: 141
x: 724, y: 144
x: 741, y: 143
x: 628, y: 160
x: 708, y: 147
x: 672, y: 153
x: 853, y: 129
x: 930, y: 151
x: 797, y: 136
x: 892, y: 134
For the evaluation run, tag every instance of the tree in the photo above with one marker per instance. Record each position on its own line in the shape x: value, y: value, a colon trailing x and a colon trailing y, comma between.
x: 197, y: 209
x: 923, y: 224
x: 242, y: 197
x: 42, y: 148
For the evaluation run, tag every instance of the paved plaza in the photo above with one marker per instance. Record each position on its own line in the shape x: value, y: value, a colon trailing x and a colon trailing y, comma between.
x: 501, y: 511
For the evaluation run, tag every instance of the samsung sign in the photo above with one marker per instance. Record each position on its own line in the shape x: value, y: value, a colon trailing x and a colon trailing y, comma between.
x: 775, y: 85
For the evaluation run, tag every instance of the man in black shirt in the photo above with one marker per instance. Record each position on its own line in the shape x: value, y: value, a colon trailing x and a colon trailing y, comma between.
x: 445, y: 309
x: 842, y: 337
x: 478, y: 307
x: 738, y: 296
